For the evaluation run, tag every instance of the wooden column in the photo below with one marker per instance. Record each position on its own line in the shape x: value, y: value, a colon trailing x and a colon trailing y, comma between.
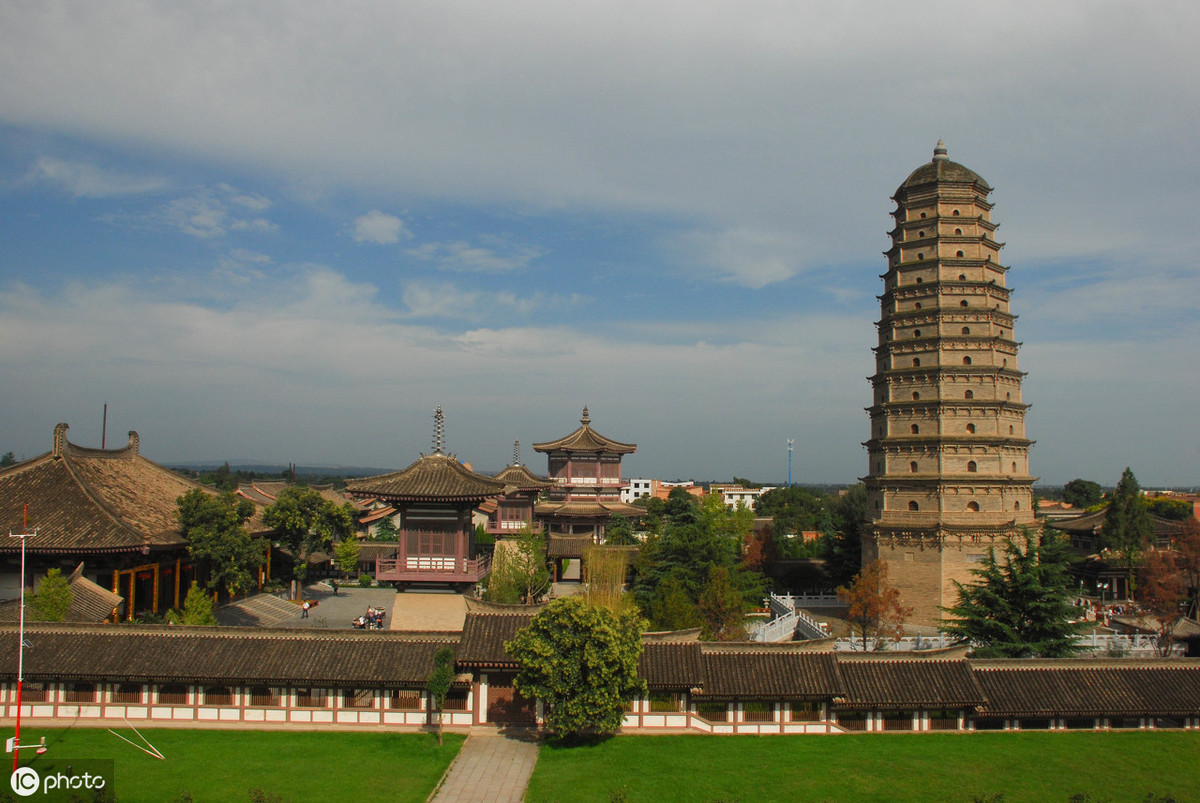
x: 178, y: 564
x: 157, y: 577
x: 129, y: 609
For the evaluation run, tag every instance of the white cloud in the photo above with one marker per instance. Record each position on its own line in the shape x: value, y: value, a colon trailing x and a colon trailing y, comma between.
x: 83, y: 180
x: 466, y: 258
x: 753, y: 259
x: 214, y: 212
x: 380, y: 227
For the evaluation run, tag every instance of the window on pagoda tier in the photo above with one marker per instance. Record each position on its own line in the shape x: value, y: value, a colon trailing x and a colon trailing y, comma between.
x: 958, y: 253
x: 915, y: 429
x: 913, y: 506
x: 913, y: 467
x: 972, y: 467
x: 973, y: 507
x: 916, y: 362
x: 916, y: 396
x: 966, y: 330
x: 971, y: 428
x: 966, y: 360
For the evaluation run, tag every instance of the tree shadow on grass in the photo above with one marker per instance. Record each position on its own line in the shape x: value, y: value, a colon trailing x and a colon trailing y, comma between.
x: 576, y: 741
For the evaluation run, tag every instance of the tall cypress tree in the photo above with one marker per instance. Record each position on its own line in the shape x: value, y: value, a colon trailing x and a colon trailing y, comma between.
x: 1127, y: 528
x: 1019, y: 608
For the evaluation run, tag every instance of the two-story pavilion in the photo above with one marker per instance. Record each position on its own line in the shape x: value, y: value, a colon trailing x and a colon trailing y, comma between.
x: 435, y: 497
x: 514, y: 508
x: 585, y: 468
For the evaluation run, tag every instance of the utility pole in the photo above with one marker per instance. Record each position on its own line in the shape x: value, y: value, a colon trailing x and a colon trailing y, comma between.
x: 791, y: 443
x: 16, y: 742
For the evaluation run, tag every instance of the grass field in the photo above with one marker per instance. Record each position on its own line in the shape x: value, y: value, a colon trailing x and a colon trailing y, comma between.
x: 1114, y: 767
x: 225, y: 765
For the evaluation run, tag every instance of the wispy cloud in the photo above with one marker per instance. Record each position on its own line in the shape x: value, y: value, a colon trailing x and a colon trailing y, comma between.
x: 460, y: 256
x: 380, y: 228
x: 84, y: 180
x: 749, y: 257
x: 213, y: 212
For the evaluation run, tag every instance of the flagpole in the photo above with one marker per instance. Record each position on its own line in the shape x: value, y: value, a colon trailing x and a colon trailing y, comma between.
x: 21, y: 644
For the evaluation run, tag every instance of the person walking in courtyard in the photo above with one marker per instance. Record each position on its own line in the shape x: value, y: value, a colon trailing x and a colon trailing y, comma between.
x: 304, y: 610
x: 334, y: 584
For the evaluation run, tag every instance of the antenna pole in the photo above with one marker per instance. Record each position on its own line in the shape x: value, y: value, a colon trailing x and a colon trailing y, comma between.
x: 21, y: 645
x: 790, y: 443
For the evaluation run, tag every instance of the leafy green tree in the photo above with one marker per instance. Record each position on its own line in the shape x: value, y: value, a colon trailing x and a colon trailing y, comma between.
x: 795, y: 510
x: 670, y: 608
x: 681, y: 508
x: 722, y: 608
x: 1127, y: 527
x: 214, y: 528
x: 386, y: 530
x: 52, y: 600
x: 1169, y: 509
x: 655, y: 508
x: 7, y: 460
x: 519, y: 572
x: 582, y: 661
x: 306, y: 522
x: 345, y: 555
x: 438, y: 683
x: 619, y: 531
x: 873, y: 605
x: 1021, y: 607
x: 1081, y: 493
x: 197, y: 608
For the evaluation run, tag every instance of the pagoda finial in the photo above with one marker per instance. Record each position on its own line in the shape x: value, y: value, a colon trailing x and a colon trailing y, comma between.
x: 939, y: 151
x: 516, y: 453
x: 439, y: 430
x: 586, y: 418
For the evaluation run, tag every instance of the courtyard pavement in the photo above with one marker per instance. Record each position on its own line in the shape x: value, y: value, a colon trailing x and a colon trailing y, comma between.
x: 334, y: 612
x: 492, y: 766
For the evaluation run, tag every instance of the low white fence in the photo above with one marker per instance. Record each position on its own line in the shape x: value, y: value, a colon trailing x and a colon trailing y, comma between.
x: 1100, y: 644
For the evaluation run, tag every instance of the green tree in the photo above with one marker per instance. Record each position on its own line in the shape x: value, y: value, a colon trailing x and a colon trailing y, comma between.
x: 843, y: 549
x: 873, y: 605
x: 795, y: 510
x: 1127, y: 528
x: 345, y: 555
x: 7, y: 460
x: 619, y: 531
x: 670, y: 608
x: 1020, y: 608
x: 519, y: 572
x: 52, y: 600
x: 214, y: 528
x: 722, y: 608
x: 305, y: 522
x: 386, y: 530
x: 582, y: 661
x: 197, y: 608
x: 1081, y: 493
x: 438, y: 683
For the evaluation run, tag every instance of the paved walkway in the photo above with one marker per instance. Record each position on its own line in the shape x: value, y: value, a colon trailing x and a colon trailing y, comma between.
x: 428, y: 610
x: 491, y: 767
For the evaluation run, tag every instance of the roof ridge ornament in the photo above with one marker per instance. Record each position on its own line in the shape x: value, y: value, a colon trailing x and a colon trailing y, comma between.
x: 586, y: 419
x: 516, y: 453
x: 939, y: 152
x: 439, y: 431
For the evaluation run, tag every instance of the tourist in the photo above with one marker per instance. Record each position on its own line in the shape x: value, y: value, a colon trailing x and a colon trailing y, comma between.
x: 304, y: 610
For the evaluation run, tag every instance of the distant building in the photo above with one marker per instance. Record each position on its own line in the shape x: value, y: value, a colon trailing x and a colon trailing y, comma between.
x: 513, y: 510
x: 948, y: 460
x: 735, y: 494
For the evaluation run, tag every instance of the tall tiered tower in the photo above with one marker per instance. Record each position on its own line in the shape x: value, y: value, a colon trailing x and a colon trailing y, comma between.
x: 949, y: 460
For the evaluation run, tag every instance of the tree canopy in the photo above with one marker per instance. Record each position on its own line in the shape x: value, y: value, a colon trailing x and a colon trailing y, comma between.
x: 582, y: 661
x: 439, y: 681
x: 1127, y: 527
x: 197, y: 608
x: 519, y: 572
x: 1018, y: 608
x: 214, y: 528
x: 306, y: 522
x: 1081, y: 493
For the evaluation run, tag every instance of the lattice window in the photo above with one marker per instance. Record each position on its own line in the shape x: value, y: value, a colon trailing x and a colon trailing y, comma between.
x: 713, y: 712
x: 81, y: 693
x: 404, y: 700
x: 173, y: 694
x: 218, y: 695
x: 756, y: 711
x: 666, y: 701
x: 127, y: 693
x: 358, y: 698
x: 309, y: 697
x: 264, y: 697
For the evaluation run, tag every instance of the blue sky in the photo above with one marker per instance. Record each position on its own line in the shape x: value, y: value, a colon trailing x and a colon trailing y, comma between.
x: 286, y: 232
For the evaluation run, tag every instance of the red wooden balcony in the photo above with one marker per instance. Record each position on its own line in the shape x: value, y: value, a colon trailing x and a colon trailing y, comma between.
x: 432, y: 569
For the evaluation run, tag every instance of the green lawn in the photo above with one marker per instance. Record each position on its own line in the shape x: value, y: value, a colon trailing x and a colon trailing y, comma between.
x: 221, y: 765
x: 1121, y: 767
